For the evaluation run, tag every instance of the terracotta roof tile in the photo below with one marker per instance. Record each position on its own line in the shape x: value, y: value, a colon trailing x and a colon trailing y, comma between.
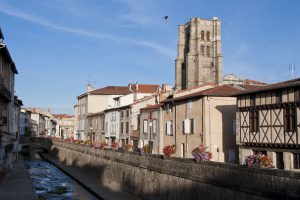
x: 223, y: 91
x: 284, y: 84
x: 145, y: 88
x: 60, y: 116
x: 151, y: 107
x: 112, y: 90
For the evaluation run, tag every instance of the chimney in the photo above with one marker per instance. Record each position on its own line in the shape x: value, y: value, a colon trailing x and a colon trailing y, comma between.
x: 90, y: 88
x: 130, y: 87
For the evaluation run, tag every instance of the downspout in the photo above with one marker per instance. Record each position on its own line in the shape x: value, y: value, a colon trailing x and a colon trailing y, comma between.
x: 175, y: 118
x: 209, y: 119
x: 203, y: 122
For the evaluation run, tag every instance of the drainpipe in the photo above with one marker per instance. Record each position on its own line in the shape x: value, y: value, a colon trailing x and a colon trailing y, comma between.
x: 175, y: 118
x: 209, y: 121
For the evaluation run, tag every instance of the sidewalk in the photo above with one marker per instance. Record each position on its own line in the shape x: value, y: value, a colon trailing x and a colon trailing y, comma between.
x: 90, y: 182
x: 17, y: 184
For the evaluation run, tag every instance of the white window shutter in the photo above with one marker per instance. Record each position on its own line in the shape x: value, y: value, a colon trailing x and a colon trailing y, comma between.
x: 187, y: 126
x: 168, y: 128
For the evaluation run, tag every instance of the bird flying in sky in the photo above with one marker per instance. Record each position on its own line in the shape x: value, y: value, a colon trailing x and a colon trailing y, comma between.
x: 166, y: 17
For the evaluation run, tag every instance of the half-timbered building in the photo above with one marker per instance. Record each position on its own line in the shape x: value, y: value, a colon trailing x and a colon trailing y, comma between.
x: 268, y: 121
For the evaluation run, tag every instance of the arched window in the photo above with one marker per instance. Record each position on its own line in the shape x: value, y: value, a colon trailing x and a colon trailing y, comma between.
x: 208, y: 36
x: 202, y: 35
x: 202, y: 50
x: 208, y: 51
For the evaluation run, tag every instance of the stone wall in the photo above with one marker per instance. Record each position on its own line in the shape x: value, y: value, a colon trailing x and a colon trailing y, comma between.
x: 151, y: 177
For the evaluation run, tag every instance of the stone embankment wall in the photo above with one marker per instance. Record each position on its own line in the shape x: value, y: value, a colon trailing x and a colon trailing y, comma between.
x: 151, y: 177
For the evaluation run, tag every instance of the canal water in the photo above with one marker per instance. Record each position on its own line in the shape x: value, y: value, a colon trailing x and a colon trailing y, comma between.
x: 51, y: 183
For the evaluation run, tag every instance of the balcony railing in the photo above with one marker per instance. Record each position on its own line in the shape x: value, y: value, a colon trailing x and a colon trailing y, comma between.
x: 4, y: 91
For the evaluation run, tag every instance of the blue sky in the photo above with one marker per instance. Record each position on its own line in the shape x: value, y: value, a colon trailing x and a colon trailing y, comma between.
x: 59, y: 46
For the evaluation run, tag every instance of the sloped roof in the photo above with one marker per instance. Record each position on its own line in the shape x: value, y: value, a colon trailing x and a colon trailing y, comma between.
x: 150, y: 107
x: 145, y: 88
x: 60, y: 116
x: 284, y: 84
x: 112, y: 90
x: 222, y: 91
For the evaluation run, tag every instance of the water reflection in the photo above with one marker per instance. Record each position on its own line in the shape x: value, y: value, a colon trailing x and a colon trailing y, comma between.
x: 52, y: 183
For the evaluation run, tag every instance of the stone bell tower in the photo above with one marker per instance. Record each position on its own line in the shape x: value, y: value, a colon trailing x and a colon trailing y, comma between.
x: 199, y: 57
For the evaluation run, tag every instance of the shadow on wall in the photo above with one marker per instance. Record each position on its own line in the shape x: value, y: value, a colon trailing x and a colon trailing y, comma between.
x: 151, y: 177
x: 228, y: 137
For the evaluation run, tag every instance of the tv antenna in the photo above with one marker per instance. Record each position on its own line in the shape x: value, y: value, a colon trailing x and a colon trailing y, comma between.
x: 292, y: 68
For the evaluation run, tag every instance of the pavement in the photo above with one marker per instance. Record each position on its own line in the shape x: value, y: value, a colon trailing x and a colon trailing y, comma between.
x: 17, y: 184
x: 90, y: 182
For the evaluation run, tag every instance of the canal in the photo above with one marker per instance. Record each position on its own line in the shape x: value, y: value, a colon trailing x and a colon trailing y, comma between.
x: 51, y: 183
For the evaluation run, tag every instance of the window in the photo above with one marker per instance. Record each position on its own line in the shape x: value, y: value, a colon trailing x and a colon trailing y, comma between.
x: 208, y: 51
x: 192, y: 125
x: 202, y: 35
x: 202, y: 50
x: 145, y: 126
x: 296, y: 160
x: 233, y: 127
x: 189, y: 104
x: 279, y: 160
x: 188, y: 126
x: 103, y: 123
x: 154, y: 126
x: 127, y: 127
x: 253, y: 119
x: 208, y: 36
x: 106, y: 127
x: 231, y: 156
x: 122, y: 114
x: 289, y: 120
x: 121, y: 127
x: 169, y: 128
x: 252, y: 100
x: 297, y: 94
x: 169, y: 108
x: 127, y: 113
x: 278, y: 96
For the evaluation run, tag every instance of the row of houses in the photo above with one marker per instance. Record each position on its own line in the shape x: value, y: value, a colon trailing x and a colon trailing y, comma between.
x: 10, y: 107
x: 231, y: 116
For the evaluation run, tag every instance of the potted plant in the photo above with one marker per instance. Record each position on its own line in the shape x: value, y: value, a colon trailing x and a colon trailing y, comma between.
x: 169, y: 150
x: 128, y: 147
x: 114, y: 145
x: 200, y: 153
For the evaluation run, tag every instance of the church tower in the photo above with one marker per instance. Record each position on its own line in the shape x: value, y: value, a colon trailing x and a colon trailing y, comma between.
x: 199, y: 57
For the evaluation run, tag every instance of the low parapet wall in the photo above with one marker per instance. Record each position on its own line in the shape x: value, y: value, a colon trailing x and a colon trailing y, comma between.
x: 151, y: 177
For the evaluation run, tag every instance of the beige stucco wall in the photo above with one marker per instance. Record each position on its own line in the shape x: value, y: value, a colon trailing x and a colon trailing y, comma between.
x: 218, y: 131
